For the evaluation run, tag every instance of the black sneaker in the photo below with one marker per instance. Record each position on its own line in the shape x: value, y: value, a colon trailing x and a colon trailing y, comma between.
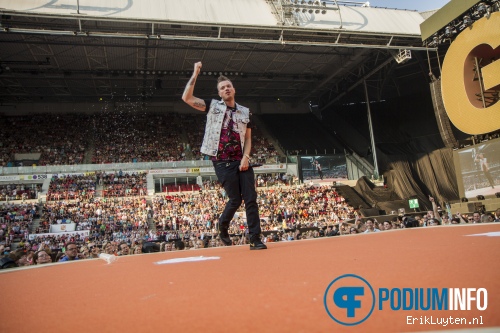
x: 256, y: 244
x: 224, y: 236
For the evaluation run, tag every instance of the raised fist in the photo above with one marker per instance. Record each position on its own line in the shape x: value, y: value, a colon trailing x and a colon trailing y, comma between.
x: 197, y: 68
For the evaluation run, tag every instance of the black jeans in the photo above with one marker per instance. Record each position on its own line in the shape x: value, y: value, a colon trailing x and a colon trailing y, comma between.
x: 239, y: 185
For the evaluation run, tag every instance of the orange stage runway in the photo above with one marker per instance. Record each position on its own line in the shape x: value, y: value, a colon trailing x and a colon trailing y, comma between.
x: 281, y: 289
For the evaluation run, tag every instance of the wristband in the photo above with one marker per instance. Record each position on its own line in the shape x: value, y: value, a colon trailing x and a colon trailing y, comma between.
x: 247, y: 156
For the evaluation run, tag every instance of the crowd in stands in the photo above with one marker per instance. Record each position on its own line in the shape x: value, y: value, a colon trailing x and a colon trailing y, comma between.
x: 268, y: 180
x: 101, y: 216
x: 59, y: 139
x: 71, y: 187
x: 194, y: 125
x: 263, y: 150
x: 262, y: 180
x: 128, y: 137
x: 19, y: 191
x: 84, y: 187
x: 125, y: 136
x: 134, y: 137
x: 188, y: 220
x: 123, y: 184
x: 16, y: 221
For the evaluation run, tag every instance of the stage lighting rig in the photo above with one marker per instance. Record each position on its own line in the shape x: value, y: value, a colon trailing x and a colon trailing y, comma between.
x: 467, y: 21
x: 403, y: 56
x: 450, y: 31
x: 307, y: 6
x: 434, y: 41
x: 464, y: 21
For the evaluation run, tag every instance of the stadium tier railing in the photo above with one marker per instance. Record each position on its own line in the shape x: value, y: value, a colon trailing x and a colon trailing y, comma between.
x: 77, y: 168
x: 83, y: 168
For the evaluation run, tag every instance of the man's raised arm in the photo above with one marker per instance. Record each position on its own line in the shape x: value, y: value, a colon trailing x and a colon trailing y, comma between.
x: 187, y: 96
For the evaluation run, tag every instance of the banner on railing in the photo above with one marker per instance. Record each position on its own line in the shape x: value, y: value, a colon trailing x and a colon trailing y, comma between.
x: 62, y: 227
x: 8, y: 178
x: 82, y: 233
x: 272, y: 167
x: 35, y: 177
x: 175, y: 171
x: 204, y: 170
x: 64, y: 175
x: 124, y: 172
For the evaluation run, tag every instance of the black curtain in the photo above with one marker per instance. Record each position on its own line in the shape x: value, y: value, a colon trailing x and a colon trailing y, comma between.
x: 423, y: 175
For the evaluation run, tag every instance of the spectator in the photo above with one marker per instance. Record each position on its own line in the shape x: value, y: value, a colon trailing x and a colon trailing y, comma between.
x: 370, y: 226
x: 497, y: 215
x: 476, y: 217
x: 71, y: 253
x: 387, y: 225
x: 19, y: 258
x: 8, y: 262
x: 84, y: 251
x: 487, y: 218
x: 124, y: 249
x: 42, y: 257
x: 432, y: 222
x: 330, y: 231
x: 108, y: 248
x: 94, y: 251
x: 353, y: 231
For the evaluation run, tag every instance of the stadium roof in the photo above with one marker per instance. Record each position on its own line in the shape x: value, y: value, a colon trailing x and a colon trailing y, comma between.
x: 78, y: 51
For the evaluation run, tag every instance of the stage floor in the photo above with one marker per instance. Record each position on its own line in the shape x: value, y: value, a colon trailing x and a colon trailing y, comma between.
x: 281, y: 289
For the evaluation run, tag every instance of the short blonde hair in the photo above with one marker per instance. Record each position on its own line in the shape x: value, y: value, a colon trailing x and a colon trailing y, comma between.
x: 222, y: 78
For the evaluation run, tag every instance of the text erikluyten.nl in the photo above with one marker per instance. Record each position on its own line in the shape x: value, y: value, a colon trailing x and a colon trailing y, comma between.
x: 443, y: 321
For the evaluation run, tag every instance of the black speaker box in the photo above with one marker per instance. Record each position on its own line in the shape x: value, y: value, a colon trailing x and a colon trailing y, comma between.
x: 475, y: 206
x: 150, y: 247
x: 443, y: 122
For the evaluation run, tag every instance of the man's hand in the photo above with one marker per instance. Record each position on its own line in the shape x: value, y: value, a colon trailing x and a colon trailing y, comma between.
x: 244, y: 164
x: 197, y: 68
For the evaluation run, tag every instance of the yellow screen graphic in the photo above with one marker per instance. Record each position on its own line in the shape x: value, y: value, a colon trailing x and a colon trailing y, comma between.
x: 470, y: 80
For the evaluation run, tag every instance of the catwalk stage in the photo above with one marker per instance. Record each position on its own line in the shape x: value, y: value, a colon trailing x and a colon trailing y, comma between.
x: 281, y: 289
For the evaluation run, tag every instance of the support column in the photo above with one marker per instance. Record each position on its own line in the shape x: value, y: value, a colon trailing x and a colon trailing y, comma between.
x: 374, y: 151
